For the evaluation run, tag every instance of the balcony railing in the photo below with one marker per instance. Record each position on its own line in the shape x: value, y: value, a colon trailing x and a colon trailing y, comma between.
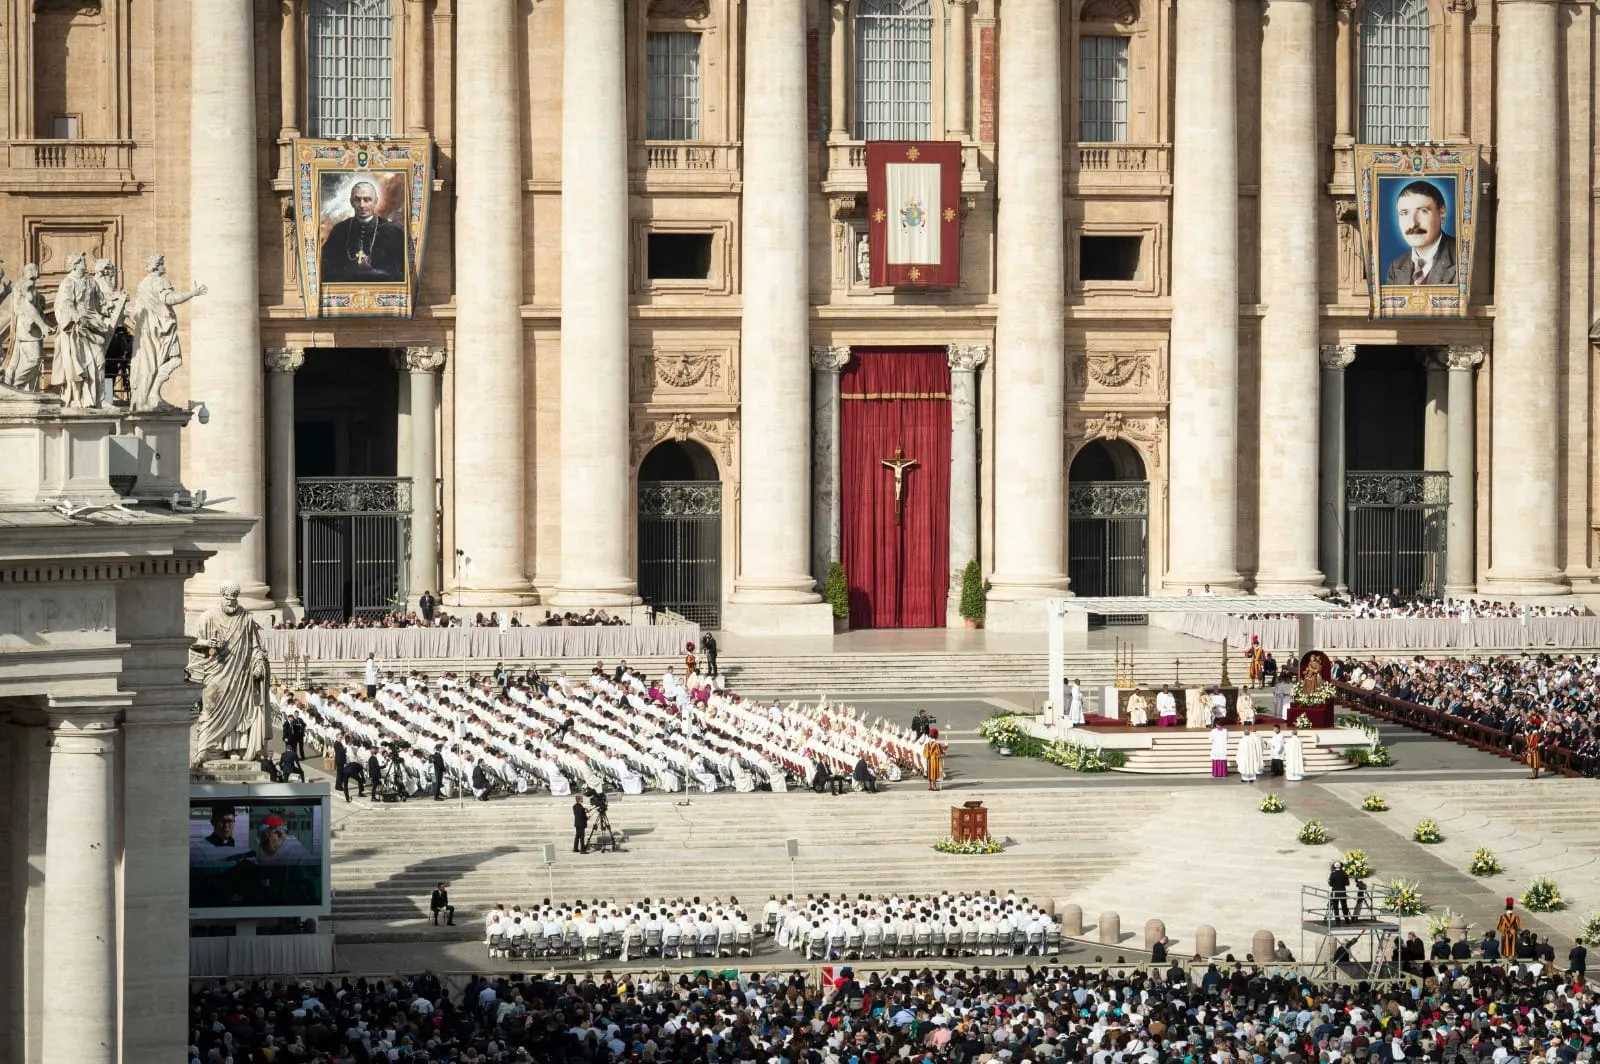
x: 1119, y: 167
x: 674, y: 164
x: 847, y: 165
x: 68, y: 163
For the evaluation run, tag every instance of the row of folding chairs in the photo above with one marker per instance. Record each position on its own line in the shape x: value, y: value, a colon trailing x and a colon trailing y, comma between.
x: 653, y: 943
x: 929, y: 941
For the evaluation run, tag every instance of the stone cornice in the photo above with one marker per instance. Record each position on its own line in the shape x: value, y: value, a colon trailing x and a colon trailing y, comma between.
x: 100, y: 570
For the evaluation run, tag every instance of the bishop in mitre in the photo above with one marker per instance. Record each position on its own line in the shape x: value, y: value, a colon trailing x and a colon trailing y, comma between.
x: 229, y: 662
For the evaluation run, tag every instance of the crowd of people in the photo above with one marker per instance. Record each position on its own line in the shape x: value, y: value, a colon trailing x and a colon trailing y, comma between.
x: 429, y: 614
x: 1544, y: 700
x: 610, y: 730
x: 1448, y: 1012
x: 1398, y: 605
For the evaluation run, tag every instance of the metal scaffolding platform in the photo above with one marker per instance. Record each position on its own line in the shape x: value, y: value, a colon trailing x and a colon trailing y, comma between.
x: 1363, y: 942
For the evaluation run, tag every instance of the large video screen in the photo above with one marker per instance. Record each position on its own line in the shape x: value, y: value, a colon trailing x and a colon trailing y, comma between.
x: 255, y: 854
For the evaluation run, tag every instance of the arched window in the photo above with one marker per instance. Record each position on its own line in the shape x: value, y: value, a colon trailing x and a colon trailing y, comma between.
x: 1394, y: 72
x: 894, y: 70
x: 350, y: 68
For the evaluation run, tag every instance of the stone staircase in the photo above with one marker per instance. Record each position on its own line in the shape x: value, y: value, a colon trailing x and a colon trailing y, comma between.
x: 1189, y: 754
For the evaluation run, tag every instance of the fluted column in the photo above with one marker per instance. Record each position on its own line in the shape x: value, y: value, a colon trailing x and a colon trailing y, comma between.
x: 490, y: 406
x: 225, y: 457
x: 1524, y: 461
x: 80, y: 905
x: 1435, y: 407
x: 774, y: 587
x: 1287, y: 496
x: 838, y: 71
x: 958, y: 61
x: 289, y: 71
x: 1335, y: 358
x: 282, y: 364
x: 416, y: 68
x: 1344, y: 92
x: 965, y: 361
x: 826, y: 362
x: 1029, y: 368
x: 1461, y: 459
x: 595, y: 473
x: 1458, y: 105
x: 422, y: 366
x: 1205, y: 299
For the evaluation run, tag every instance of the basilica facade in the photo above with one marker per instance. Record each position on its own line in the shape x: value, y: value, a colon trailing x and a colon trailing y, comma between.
x: 564, y: 304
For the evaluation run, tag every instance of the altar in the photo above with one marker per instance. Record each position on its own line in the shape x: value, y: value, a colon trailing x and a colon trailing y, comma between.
x: 1114, y: 701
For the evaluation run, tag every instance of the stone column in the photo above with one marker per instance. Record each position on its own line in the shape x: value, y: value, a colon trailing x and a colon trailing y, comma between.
x: 1461, y: 536
x: 29, y: 784
x: 224, y: 457
x: 289, y: 71
x: 490, y: 405
x: 1524, y: 463
x: 422, y: 366
x: 1458, y: 106
x: 80, y: 906
x: 774, y: 591
x: 838, y: 71
x: 1287, y: 497
x: 1205, y: 299
x: 1029, y: 369
x: 1344, y: 92
x: 965, y: 361
x: 1435, y: 419
x: 957, y: 62
x: 1330, y: 476
x: 595, y: 469
x: 282, y: 507
x: 826, y: 362
x: 416, y: 68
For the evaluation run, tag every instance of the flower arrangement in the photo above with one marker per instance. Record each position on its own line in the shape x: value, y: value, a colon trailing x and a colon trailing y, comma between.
x: 1542, y: 895
x: 1002, y: 729
x: 1302, y: 723
x: 1427, y: 831
x: 1374, y: 803
x: 1312, y: 833
x: 1081, y: 757
x: 1440, y: 924
x: 971, y: 847
x: 1403, y: 897
x: 1376, y: 756
x: 1321, y: 695
x: 1590, y: 935
x: 1356, y: 865
x: 1271, y: 804
x: 1484, y: 863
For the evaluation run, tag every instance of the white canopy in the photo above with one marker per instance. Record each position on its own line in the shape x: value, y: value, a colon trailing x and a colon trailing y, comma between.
x: 1301, y: 604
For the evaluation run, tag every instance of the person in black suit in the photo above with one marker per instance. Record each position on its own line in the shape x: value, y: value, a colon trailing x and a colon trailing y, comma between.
x: 366, y: 248
x: 708, y: 648
x: 374, y: 773
x: 437, y: 761
x: 1420, y: 211
x: 426, y: 605
x: 289, y: 765
x: 863, y: 775
x: 580, y: 824
x: 344, y: 771
x: 440, y: 903
x: 480, y: 783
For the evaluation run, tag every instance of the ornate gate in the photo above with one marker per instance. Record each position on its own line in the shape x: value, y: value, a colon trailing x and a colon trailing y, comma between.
x: 680, y: 548
x: 1108, y: 548
x: 1396, y: 532
x: 355, y: 538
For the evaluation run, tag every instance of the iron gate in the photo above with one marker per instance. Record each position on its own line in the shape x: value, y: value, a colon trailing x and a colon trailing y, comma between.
x: 355, y: 539
x: 680, y: 548
x: 1396, y: 532
x: 1108, y: 523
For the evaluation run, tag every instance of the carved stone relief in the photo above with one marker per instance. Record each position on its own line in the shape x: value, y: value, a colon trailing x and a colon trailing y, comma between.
x: 1147, y: 434
x: 719, y: 435
x: 668, y: 374
x: 1117, y: 371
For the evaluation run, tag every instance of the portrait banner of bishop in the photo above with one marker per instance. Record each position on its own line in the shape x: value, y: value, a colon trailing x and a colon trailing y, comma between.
x: 361, y: 210
x: 1419, y: 219
x: 914, y: 213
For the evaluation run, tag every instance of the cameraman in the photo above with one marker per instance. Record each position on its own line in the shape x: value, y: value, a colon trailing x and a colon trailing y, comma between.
x: 580, y: 823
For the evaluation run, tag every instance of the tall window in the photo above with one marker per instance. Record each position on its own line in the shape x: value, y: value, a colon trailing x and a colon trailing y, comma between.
x: 894, y: 70
x: 1394, y: 72
x: 350, y: 68
x: 1102, y: 89
x: 672, y: 102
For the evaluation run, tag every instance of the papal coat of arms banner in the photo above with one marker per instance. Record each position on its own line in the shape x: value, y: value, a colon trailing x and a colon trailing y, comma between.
x: 914, y: 213
x: 361, y: 210
x: 1419, y: 222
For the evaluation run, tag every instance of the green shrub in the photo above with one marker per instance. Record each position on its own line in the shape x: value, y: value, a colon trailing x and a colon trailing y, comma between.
x: 972, y: 604
x: 836, y: 592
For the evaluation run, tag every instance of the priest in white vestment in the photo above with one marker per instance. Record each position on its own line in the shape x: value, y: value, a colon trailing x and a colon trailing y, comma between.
x: 1219, y: 752
x: 1294, y: 758
x: 1074, y: 704
x: 1196, y: 709
x: 1138, y: 711
x: 1248, y: 756
x: 1247, y: 708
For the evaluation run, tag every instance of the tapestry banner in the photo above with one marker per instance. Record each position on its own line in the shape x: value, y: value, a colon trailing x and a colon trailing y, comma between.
x: 1419, y: 220
x: 914, y: 212
x: 361, y: 210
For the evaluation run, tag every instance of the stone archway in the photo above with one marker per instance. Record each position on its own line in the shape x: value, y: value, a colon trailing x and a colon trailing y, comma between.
x: 680, y: 531
x: 1108, y: 522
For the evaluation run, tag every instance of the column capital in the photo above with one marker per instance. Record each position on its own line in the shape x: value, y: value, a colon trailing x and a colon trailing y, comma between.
x: 1463, y: 7
x: 966, y: 358
x: 959, y: 5
x: 1337, y: 356
x: 420, y: 359
x: 829, y: 359
x: 1463, y: 356
x: 284, y: 359
x: 94, y: 738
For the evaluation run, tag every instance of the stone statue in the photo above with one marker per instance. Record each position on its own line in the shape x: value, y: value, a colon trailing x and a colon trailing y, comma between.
x: 113, y: 311
x: 229, y: 661
x: 5, y: 310
x: 29, y: 328
x: 80, y: 347
x: 864, y: 260
x: 156, y: 355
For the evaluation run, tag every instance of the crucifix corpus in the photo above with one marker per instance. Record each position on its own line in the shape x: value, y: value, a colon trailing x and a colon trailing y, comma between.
x: 899, y: 463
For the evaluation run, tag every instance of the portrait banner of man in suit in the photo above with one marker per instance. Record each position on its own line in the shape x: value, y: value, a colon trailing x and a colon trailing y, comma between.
x: 1418, y: 217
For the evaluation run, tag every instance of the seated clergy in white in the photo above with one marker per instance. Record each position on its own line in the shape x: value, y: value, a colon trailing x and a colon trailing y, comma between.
x: 1138, y: 711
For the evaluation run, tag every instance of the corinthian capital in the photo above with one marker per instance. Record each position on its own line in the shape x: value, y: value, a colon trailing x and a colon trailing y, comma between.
x: 284, y: 359
x: 1463, y: 356
x: 829, y: 359
x: 419, y: 359
x: 966, y: 358
x: 1337, y: 356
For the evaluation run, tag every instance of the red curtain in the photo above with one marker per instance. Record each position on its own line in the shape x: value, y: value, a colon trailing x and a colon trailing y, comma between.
x: 898, y: 573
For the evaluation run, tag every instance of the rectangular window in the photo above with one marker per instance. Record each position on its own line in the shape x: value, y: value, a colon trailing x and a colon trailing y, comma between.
x: 350, y: 69
x: 894, y: 72
x: 678, y: 256
x: 65, y: 127
x: 672, y: 102
x: 1103, y: 90
x: 1108, y: 258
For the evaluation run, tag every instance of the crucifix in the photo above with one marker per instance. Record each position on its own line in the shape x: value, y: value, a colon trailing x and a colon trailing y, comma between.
x: 899, y: 463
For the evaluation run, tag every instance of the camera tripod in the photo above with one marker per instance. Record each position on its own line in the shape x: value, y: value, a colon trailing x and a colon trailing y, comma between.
x: 600, y: 834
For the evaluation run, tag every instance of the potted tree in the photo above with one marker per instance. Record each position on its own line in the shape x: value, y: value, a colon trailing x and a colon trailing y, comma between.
x: 972, y: 604
x: 836, y: 593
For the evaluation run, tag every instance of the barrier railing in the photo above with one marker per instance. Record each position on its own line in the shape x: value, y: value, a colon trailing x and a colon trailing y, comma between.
x: 1449, y: 726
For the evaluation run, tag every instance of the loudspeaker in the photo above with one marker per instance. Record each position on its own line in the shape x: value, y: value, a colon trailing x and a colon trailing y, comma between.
x: 549, y: 853
x: 794, y: 848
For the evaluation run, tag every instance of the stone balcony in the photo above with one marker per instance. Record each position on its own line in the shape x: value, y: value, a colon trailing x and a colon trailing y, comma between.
x: 682, y: 165
x: 847, y: 168
x: 69, y: 166
x: 1120, y: 169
